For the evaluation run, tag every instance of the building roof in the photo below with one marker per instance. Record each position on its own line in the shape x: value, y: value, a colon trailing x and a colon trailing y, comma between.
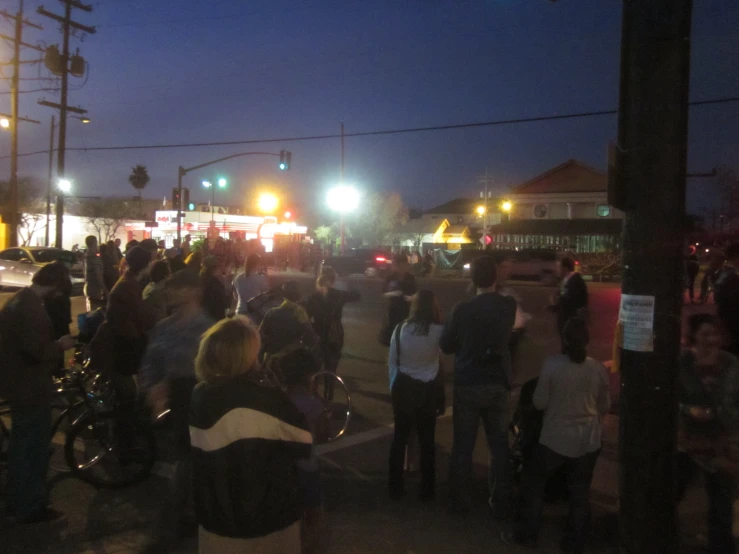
x: 559, y: 227
x: 571, y: 176
x: 421, y: 226
x: 456, y: 206
x: 456, y: 230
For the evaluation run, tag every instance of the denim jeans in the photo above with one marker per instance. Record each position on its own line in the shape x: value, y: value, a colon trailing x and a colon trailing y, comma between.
x: 28, y: 460
x: 545, y: 463
x: 413, y: 406
x: 471, y: 404
x: 720, y: 491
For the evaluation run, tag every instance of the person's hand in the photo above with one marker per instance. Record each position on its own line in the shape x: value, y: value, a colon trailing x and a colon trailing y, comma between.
x: 67, y: 342
x: 700, y: 414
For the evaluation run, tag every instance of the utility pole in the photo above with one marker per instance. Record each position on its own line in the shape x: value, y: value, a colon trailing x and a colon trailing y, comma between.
x: 64, y: 69
x: 341, y: 178
x: 649, y: 184
x: 17, y: 39
x: 50, y: 183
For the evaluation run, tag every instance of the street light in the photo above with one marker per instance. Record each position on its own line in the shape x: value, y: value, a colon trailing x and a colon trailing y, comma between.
x: 267, y: 203
x: 222, y: 183
x: 342, y: 199
x: 481, y: 210
x: 64, y: 185
x: 506, y: 206
x: 5, y: 123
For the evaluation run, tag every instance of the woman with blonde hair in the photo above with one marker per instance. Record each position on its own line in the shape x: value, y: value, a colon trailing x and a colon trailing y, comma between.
x: 246, y: 440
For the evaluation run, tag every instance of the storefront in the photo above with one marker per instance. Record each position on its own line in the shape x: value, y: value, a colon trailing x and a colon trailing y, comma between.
x: 234, y: 227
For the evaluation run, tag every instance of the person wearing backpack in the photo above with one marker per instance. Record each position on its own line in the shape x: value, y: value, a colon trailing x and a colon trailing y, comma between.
x: 325, y: 309
x: 417, y: 391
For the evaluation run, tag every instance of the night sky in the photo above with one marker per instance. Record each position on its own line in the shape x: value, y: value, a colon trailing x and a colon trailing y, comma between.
x: 171, y: 71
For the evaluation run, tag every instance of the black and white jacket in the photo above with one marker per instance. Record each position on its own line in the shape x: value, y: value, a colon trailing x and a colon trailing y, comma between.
x: 245, y: 441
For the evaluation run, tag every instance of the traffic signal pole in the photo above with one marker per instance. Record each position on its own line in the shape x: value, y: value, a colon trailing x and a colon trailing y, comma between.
x: 650, y: 174
x: 182, y: 171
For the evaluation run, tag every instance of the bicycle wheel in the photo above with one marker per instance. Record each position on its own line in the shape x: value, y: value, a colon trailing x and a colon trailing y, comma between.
x: 65, y: 410
x: 110, y: 451
x: 335, y: 395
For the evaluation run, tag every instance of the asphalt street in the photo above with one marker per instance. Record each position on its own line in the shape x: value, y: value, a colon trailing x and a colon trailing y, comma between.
x: 360, y: 516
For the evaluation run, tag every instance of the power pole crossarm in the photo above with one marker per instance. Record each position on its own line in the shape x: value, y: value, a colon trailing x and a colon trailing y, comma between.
x: 24, y: 44
x: 63, y: 21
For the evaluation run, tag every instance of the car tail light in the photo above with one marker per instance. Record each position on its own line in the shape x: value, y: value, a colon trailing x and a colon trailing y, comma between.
x: 380, y: 259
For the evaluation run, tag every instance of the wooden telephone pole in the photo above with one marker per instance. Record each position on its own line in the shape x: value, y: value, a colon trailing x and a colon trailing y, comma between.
x: 62, y: 106
x: 649, y: 173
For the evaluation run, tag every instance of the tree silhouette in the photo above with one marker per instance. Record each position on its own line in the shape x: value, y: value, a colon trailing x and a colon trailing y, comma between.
x: 139, y: 178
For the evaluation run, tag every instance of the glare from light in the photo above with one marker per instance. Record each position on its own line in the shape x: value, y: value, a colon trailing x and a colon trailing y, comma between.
x: 207, y: 184
x: 288, y: 215
x: 65, y: 185
x: 4, y: 123
x: 283, y: 166
x: 507, y: 206
x: 85, y: 119
x: 343, y: 199
x: 480, y: 210
x: 707, y: 250
x: 222, y: 182
x: 267, y: 203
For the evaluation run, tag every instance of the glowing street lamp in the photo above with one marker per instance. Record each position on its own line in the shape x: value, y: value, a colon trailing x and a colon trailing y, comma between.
x: 481, y: 210
x: 65, y: 185
x: 5, y: 123
x: 222, y: 183
x: 267, y: 203
x: 343, y: 199
x: 506, y: 206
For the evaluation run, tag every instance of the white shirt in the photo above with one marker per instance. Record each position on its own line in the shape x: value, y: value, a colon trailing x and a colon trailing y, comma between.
x: 574, y: 397
x: 419, y: 354
x: 247, y: 288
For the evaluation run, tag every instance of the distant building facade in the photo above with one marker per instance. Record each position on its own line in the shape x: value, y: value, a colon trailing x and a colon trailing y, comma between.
x: 463, y: 211
x: 565, y: 208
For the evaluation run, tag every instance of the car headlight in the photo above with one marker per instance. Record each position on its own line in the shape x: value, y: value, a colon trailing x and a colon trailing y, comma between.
x: 466, y: 266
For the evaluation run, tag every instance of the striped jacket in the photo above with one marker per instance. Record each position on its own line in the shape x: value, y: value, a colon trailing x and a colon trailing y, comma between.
x: 246, y: 440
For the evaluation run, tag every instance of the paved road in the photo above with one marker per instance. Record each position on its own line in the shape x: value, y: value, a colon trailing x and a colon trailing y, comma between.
x: 362, y: 520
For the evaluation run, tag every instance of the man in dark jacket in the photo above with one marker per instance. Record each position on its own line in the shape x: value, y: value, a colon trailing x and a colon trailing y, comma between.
x: 726, y: 293
x: 29, y: 354
x: 573, y: 297
x: 477, y: 333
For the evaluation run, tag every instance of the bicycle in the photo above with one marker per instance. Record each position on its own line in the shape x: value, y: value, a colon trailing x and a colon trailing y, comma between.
x: 102, y: 446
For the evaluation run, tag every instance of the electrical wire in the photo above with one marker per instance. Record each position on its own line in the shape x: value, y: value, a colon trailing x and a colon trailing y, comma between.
x: 516, y: 121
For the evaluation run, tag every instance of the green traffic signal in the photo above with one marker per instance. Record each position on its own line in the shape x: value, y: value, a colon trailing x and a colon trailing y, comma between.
x: 191, y: 206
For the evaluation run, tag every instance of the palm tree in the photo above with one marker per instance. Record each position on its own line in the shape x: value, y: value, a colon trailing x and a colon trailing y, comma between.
x: 139, y: 178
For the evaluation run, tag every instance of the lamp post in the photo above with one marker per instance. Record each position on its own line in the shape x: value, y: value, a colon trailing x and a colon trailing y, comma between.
x: 222, y: 183
x: 507, y: 206
x: 342, y: 199
x: 267, y: 203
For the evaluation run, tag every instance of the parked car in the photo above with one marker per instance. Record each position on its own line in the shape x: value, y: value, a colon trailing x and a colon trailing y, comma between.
x: 18, y: 265
x: 371, y: 262
x: 529, y: 265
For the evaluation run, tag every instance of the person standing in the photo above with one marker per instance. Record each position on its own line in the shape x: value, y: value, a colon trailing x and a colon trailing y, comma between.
x: 477, y: 332
x: 709, y: 410
x: 29, y: 355
x: 325, y: 309
x: 215, y: 300
x: 573, y: 297
x: 127, y: 321
x: 249, y: 284
x: 258, y: 434
x: 118, y: 253
x: 417, y: 388
x: 167, y: 378
x: 692, y: 267
x: 287, y: 326
x: 573, y: 393
x: 726, y: 295
x: 110, y: 264
x: 153, y: 294
x: 96, y: 292
x: 400, y: 286
x: 186, y: 247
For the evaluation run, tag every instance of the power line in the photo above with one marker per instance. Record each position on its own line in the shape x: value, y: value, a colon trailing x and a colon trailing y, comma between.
x: 516, y: 121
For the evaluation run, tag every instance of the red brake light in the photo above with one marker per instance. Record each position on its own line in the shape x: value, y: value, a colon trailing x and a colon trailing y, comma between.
x: 380, y: 259
x: 577, y: 263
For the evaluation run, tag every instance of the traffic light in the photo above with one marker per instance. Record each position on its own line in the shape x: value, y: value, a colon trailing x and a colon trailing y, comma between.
x: 191, y: 206
x: 285, y: 158
x: 186, y: 198
x: 176, y: 200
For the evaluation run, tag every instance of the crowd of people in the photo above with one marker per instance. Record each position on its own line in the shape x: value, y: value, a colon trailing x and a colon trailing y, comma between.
x: 246, y: 474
